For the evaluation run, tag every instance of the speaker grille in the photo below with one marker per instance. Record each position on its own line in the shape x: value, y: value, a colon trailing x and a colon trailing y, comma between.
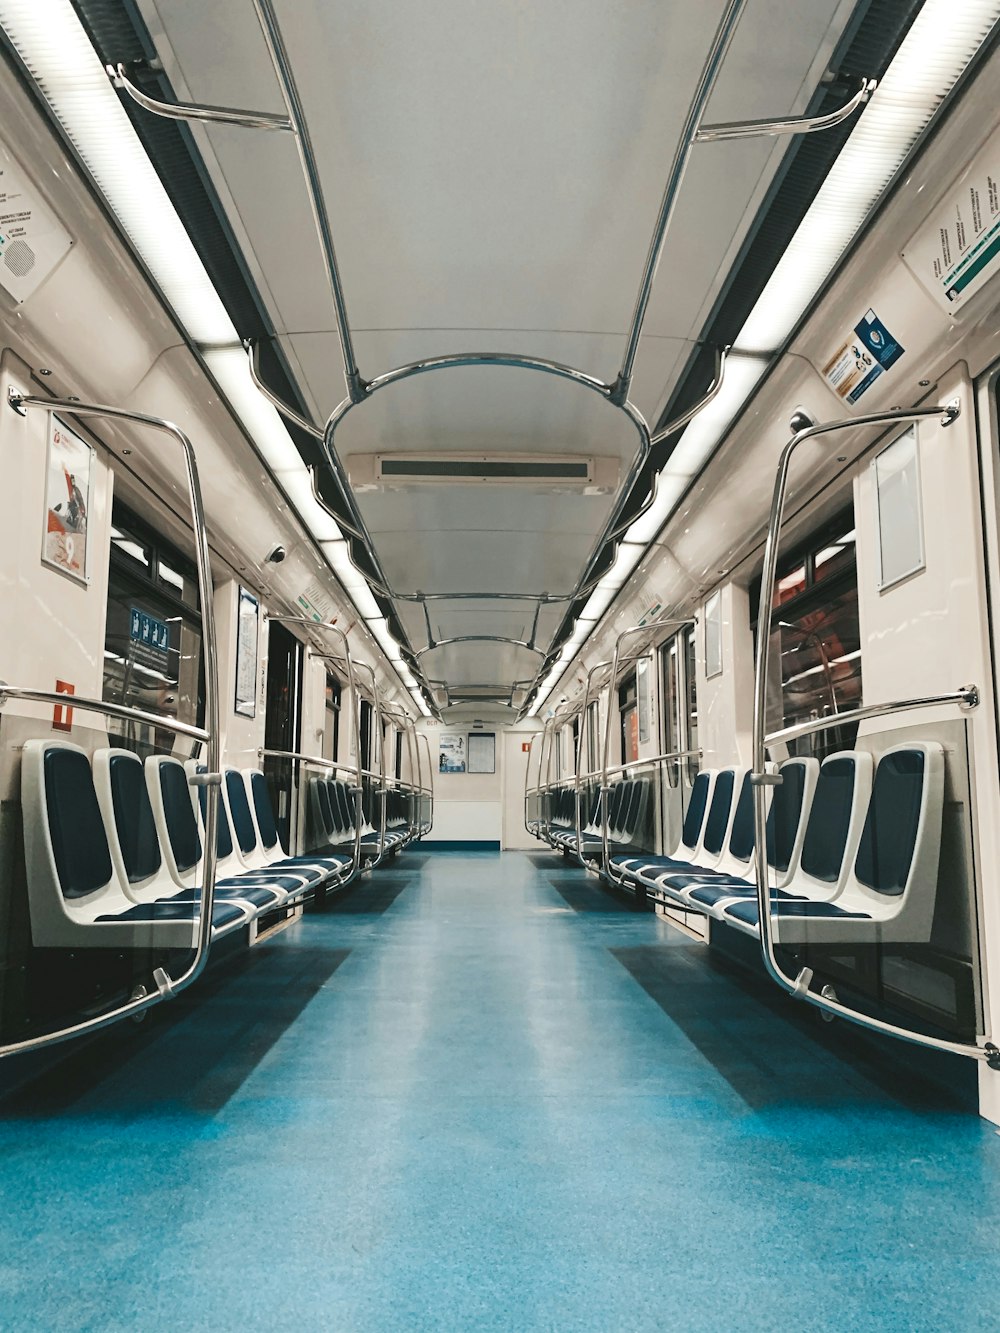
x: 19, y: 258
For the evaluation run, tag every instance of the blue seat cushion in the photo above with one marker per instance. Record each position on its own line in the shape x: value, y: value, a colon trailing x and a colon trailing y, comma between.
x: 710, y: 894
x: 747, y: 911
x: 306, y: 867
x: 223, y: 914
x: 262, y: 896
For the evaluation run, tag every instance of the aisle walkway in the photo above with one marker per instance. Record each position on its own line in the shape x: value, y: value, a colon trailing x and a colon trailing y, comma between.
x: 483, y: 1095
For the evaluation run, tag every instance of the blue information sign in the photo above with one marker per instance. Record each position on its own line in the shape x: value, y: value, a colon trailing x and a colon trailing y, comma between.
x: 148, y: 631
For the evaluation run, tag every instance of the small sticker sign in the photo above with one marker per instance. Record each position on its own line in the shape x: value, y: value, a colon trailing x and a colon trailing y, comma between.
x: 148, y: 632
x: 862, y: 359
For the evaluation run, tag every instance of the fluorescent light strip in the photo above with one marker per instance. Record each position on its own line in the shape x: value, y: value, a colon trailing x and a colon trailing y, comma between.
x: 942, y: 40
x: 58, y: 54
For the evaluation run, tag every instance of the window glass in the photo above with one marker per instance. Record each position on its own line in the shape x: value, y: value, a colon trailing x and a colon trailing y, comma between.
x: 690, y: 682
x: 594, y: 737
x: 331, y: 736
x: 815, y: 658
x: 835, y: 557
x: 152, y: 638
x: 789, y: 585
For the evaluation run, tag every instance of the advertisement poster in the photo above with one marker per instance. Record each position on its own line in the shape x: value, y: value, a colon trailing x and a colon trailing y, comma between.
x: 246, y: 656
x: 68, y: 474
x: 451, y: 754
x: 868, y: 352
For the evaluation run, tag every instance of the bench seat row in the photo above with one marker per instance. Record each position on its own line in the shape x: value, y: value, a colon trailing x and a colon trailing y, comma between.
x: 113, y: 850
x: 853, y: 849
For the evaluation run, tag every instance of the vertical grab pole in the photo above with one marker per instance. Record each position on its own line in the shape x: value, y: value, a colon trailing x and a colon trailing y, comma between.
x: 213, y: 746
x: 760, y: 778
x: 293, y: 105
x: 706, y: 83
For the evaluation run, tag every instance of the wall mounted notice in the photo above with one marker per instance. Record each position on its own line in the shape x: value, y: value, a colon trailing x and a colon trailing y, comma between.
x: 451, y: 754
x: 245, y: 702
x: 316, y: 604
x: 32, y: 241
x: 957, y: 250
x: 867, y: 353
x: 68, y: 473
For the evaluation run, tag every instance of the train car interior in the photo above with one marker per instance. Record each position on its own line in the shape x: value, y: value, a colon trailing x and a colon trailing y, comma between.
x: 499, y: 730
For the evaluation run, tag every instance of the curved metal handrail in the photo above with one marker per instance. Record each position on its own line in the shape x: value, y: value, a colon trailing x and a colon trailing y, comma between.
x: 760, y: 778
x: 166, y: 986
x: 212, y: 115
x: 105, y: 706
x: 748, y: 129
x: 966, y: 697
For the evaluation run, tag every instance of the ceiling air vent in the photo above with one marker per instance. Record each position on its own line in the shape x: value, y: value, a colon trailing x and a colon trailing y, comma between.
x: 560, y: 472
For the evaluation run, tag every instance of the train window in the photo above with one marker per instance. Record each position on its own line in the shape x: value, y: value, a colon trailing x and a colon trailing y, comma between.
x: 833, y: 559
x: 789, y: 585
x: 365, y: 727
x: 691, y: 694
x: 670, y: 726
x: 628, y: 712
x: 331, y: 730
x: 817, y: 637
x: 399, y: 756
x: 126, y: 543
x: 594, y: 737
x: 152, y: 640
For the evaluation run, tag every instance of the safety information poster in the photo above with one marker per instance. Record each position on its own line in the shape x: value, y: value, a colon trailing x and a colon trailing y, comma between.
x: 862, y: 358
x: 957, y: 250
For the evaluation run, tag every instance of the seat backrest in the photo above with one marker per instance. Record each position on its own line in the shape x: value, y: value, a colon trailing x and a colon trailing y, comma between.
x: 902, y: 827
x: 239, y: 813
x: 836, y: 817
x: 694, y: 816
x: 267, y: 825
x: 741, y: 832
x: 618, y: 823
x: 173, y: 805
x: 788, y: 816
x: 342, y: 809
x: 76, y: 837
x: 635, y: 826
x: 224, y: 847
x: 719, y: 813
x: 120, y: 781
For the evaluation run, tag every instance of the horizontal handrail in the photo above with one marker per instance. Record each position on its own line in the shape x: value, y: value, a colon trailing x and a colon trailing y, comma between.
x: 966, y: 697
x: 304, y: 758
x: 654, y: 759
x: 103, y: 706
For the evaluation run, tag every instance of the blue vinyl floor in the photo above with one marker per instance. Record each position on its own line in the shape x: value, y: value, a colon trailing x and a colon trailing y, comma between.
x: 482, y: 1094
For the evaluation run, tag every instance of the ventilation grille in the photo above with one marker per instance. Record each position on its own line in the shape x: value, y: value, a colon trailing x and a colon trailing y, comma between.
x: 573, y: 472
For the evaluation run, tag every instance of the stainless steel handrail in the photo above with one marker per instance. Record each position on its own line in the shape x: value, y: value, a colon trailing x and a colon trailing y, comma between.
x: 653, y: 759
x: 749, y: 129
x: 278, y: 52
x: 105, y: 706
x: 799, y: 987
x: 213, y: 115
x: 966, y: 697
x: 166, y: 986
